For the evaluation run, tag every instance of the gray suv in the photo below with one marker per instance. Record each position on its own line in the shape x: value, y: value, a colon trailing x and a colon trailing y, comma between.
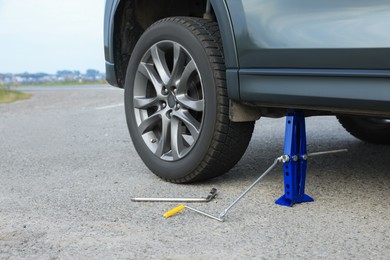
x: 197, y: 74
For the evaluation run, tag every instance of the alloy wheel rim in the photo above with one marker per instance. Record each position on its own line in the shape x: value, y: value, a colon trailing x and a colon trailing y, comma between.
x: 168, y: 100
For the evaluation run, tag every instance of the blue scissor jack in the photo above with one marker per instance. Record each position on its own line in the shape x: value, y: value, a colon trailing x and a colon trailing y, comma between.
x: 295, y: 160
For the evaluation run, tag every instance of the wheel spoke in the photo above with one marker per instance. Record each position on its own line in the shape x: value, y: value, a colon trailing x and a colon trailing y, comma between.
x: 185, y: 77
x: 190, y: 122
x: 186, y: 101
x: 160, y: 63
x: 151, y: 74
x: 149, y: 123
x: 178, y: 63
x: 176, y: 138
x: 164, y: 142
x: 144, y: 103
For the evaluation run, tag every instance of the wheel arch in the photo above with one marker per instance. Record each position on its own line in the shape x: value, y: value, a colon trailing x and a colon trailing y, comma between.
x: 126, y: 20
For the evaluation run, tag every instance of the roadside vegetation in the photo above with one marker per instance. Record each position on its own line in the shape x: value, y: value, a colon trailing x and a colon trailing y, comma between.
x: 57, y: 83
x: 8, y: 96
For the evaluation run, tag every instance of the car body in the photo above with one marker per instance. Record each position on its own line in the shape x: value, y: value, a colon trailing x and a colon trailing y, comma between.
x: 323, y: 57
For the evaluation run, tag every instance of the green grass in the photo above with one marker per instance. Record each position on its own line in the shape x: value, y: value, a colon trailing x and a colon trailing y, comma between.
x: 8, y: 96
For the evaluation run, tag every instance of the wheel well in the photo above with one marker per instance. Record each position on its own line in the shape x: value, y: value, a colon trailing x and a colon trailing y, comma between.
x: 133, y: 17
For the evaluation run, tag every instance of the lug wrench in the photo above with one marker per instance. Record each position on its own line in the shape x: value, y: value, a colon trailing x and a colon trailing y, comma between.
x: 210, y: 196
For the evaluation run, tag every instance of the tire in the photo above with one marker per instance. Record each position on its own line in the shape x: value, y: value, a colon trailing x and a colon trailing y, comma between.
x: 176, y: 102
x: 371, y: 130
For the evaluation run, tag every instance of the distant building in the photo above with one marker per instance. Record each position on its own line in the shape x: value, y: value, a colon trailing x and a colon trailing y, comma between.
x: 91, y: 75
x: 67, y: 75
x: 6, y: 79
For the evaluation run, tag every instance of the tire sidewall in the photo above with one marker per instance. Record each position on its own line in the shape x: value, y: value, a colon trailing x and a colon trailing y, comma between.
x: 367, y: 129
x: 174, y: 31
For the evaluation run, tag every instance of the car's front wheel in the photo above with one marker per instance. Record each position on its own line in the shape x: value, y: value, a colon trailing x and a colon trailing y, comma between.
x: 176, y: 102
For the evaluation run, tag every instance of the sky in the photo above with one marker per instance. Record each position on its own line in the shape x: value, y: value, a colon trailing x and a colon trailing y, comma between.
x: 51, y: 35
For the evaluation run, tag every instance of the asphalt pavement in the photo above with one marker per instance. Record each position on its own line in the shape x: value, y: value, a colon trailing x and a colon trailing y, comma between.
x: 68, y: 171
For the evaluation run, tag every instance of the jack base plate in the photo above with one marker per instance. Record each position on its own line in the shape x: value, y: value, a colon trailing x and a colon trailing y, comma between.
x: 289, y: 203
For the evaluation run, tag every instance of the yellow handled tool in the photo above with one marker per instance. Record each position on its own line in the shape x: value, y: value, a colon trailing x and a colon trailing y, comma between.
x: 174, y: 211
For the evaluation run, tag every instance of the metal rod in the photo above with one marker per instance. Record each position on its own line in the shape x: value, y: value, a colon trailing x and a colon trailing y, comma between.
x: 211, y: 196
x: 327, y: 152
x: 167, y: 200
x: 205, y: 214
x: 221, y: 217
x: 207, y: 15
x: 208, y: 7
x: 225, y: 211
